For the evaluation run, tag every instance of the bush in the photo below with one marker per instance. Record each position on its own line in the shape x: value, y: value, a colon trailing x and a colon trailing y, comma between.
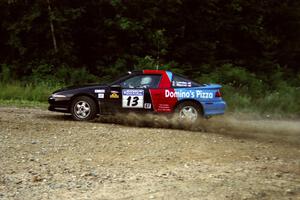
x: 42, y: 73
x: 150, y: 63
x: 243, y: 91
x: 63, y: 75
x: 74, y: 76
x: 5, y: 75
x: 246, y: 92
x: 146, y: 62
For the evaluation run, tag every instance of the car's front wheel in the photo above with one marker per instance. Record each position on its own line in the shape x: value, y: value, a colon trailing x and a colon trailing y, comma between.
x: 189, y: 112
x: 83, y: 108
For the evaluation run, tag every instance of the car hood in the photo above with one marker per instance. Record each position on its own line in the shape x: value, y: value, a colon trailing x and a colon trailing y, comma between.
x: 81, y: 87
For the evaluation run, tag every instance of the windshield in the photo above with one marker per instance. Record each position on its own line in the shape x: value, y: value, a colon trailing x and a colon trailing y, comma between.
x: 120, y: 79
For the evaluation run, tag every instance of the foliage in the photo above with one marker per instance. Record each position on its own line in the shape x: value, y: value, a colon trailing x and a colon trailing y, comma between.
x: 5, y: 74
x: 244, y: 91
x: 74, y: 76
x: 251, y: 47
x: 255, y: 35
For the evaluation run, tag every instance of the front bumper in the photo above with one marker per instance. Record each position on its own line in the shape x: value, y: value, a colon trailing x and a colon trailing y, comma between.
x: 58, y: 109
x: 59, y: 106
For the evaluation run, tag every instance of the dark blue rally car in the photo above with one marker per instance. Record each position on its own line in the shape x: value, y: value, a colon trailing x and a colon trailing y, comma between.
x: 155, y: 91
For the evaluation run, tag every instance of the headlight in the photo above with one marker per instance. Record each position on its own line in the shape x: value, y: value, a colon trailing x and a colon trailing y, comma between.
x: 58, y: 96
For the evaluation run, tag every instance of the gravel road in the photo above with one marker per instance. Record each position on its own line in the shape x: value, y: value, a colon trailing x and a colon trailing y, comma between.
x: 46, y: 155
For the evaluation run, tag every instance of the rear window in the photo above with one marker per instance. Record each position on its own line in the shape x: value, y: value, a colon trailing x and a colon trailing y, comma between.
x: 180, y: 81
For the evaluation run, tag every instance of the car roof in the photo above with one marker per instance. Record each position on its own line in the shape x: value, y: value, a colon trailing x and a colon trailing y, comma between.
x: 148, y: 71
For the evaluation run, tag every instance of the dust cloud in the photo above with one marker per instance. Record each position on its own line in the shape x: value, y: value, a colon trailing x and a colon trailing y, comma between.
x: 231, y: 125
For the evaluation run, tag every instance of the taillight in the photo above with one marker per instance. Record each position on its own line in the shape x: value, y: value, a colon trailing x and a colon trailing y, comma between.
x: 218, y: 94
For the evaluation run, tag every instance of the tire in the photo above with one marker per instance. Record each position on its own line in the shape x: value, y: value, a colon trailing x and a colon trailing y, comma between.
x: 189, y: 112
x: 83, y: 108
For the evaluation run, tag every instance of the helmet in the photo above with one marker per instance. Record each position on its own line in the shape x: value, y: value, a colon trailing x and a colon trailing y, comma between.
x: 146, y: 80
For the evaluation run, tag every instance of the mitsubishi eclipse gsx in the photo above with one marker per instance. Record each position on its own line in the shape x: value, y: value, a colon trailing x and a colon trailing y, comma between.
x: 150, y: 91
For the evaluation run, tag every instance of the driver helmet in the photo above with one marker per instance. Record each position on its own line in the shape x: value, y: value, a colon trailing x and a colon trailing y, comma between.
x: 146, y: 80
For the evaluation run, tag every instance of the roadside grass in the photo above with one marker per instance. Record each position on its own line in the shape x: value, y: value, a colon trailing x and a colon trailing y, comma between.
x: 26, y: 95
x: 23, y: 104
x: 31, y: 92
x: 281, y: 103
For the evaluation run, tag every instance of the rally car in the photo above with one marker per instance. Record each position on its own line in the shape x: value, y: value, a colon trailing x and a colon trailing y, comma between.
x: 154, y: 91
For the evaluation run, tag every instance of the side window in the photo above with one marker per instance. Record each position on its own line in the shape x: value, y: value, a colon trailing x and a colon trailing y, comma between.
x: 179, y: 81
x: 141, y: 81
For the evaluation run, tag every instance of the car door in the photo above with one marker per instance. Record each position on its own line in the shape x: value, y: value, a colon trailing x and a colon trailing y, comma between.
x: 132, y: 94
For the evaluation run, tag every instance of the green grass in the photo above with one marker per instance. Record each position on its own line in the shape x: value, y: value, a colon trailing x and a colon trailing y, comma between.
x: 26, y: 95
x: 282, y: 102
x: 30, y: 92
x: 23, y: 104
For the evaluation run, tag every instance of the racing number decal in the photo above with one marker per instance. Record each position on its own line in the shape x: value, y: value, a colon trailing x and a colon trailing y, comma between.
x: 132, y: 103
x: 132, y: 98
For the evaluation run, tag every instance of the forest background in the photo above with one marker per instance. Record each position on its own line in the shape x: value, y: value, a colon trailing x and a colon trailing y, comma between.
x: 251, y: 47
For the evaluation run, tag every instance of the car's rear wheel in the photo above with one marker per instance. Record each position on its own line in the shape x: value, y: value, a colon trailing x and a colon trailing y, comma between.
x: 188, y: 111
x: 83, y: 108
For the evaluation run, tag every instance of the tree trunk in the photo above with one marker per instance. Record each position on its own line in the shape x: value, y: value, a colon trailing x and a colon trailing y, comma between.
x: 52, y: 27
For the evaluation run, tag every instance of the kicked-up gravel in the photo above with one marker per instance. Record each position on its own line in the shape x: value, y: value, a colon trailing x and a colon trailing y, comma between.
x: 46, y: 155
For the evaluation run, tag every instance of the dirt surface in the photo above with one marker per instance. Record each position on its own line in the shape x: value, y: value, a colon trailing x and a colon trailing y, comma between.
x: 46, y: 155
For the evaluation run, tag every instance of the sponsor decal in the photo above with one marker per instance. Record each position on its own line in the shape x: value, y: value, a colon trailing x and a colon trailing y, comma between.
x: 147, y: 105
x: 181, y: 84
x: 100, y: 91
x: 189, y: 94
x: 114, y: 96
x: 132, y: 98
x: 133, y: 92
x: 164, y: 108
x: 101, y: 96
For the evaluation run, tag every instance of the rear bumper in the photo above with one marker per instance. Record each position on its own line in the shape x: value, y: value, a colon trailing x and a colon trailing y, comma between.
x: 214, y: 108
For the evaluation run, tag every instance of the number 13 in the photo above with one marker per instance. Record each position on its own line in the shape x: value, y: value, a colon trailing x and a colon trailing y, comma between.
x: 134, y: 101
